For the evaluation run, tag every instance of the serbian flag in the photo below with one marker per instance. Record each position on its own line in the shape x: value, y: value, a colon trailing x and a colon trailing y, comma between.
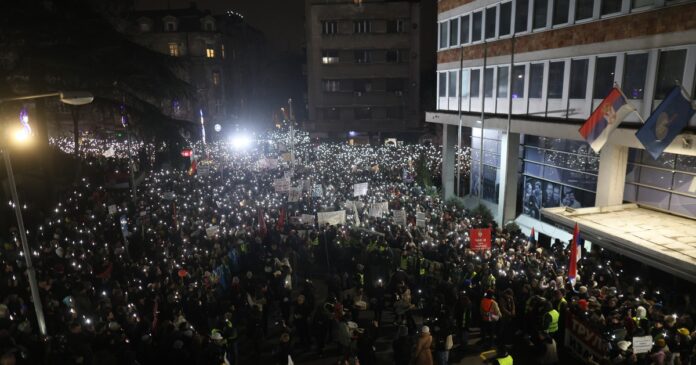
x: 574, y: 255
x: 605, y: 119
x: 532, y: 236
x: 262, y: 224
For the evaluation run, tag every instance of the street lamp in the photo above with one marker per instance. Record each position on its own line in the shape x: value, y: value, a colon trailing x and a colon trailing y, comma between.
x: 23, y: 136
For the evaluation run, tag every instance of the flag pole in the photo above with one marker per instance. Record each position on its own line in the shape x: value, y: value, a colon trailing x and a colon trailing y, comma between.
x: 635, y: 110
x: 459, y: 129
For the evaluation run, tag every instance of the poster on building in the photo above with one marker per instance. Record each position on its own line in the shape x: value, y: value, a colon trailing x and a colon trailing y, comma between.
x: 480, y: 239
x: 399, y: 217
x: 378, y: 209
x: 332, y: 218
x: 307, y: 219
x: 360, y: 189
x: 583, y: 340
x: 294, y: 194
x: 532, y: 197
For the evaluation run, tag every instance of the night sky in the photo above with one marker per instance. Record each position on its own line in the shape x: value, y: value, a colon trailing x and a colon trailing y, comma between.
x: 282, y: 21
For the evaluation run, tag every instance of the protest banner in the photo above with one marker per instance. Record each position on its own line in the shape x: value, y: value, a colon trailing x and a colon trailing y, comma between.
x: 480, y: 239
x: 360, y: 189
x: 642, y: 344
x: 281, y: 185
x: 332, y: 218
x: 317, y: 191
x: 378, y: 209
x: 294, y: 194
x: 420, y: 219
x: 212, y: 231
x: 112, y: 209
x: 399, y: 217
x: 583, y: 340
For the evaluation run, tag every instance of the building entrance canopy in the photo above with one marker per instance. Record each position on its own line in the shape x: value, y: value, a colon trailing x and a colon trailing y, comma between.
x: 663, y: 241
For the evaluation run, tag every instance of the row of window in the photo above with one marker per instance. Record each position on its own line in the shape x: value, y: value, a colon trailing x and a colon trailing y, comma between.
x: 394, y: 85
x: 362, y: 113
x: 171, y: 25
x: 175, y: 50
x: 668, y: 183
x: 363, y: 56
x: 520, y: 16
x: 528, y: 79
x: 363, y: 26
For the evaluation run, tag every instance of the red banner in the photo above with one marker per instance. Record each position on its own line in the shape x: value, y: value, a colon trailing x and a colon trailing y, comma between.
x: 186, y: 152
x: 480, y: 239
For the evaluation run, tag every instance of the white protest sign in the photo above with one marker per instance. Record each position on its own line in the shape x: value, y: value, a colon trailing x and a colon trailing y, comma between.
x: 169, y: 195
x: 360, y: 189
x: 281, y: 185
x: 642, y: 344
x: 317, y: 191
x: 294, y: 194
x: 307, y: 218
x: 203, y: 170
x: 420, y: 219
x: 378, y: 209
x: 212, y: 231
x: 285, y: 157
x: 112, y: 209
x: 332, y: 218
x: 399, y: 217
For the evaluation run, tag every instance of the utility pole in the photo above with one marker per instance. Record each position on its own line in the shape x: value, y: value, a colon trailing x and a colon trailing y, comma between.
x: 292, y: 136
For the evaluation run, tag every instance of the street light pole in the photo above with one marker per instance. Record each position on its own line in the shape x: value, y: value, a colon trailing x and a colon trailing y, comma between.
x: 31, y: 273
x: 71, y: 98
x: 292, y: 137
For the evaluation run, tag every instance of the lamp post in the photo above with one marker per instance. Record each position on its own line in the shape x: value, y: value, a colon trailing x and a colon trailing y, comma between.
x: 75, y: 98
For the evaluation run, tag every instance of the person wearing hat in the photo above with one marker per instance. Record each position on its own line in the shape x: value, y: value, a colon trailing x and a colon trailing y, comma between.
x: 660, y: 353
x: 421, y: 353
x: 490, y: 313
x: 684, y: 345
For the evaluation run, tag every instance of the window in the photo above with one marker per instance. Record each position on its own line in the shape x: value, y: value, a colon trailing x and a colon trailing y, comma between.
x: 222, y: 51
x: 216, y: 78
x: 362, y: 86
x: 329, y: 57
x: 464, y: 29
x: 363, y: 113
x: 454, y: 32
x: 604, y: 77
x: 452, y: 84
x: 641, y: 3
x: 578, y: 79
x: 363, y: 56
x: 502, y: 82
x: 476, y: 28
x: 555, y: 84
x: 210, y: 52
x: 395, y: 26
x: 208, y: 27
x: 362, y: 26
x: 170, y: 26
x: 539, y: 16
x: 329, y: 27
x: 505, y: 16
x: 518, y: 82
x: 465, y: 84
x: 331, y: 113
x: 610, y: 6
x: 173, y: 49
x: 144, y: 27
x: 490, y: 22
x: 584, y: 9
x: 488, y: 83
x: 670, y: 69
x: 444, y: 33
x: 536, y: 80
x: 560, y: 11
x: 475, y: 83
x: 394, y: 85
x: 397, y: 55
x: 635, y: 68
x: 442, y: 84
x: 395, y: 112
x: 331, y: 85
x: 521, y: 14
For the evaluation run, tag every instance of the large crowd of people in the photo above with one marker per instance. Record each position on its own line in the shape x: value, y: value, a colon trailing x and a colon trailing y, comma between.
x: 266, y: 256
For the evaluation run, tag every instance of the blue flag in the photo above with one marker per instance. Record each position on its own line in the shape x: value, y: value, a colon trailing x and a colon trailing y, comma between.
x: 665, y: 123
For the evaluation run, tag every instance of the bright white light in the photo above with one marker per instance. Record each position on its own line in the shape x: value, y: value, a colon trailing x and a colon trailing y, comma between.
x: 217, y: 127
x: 21, y: 135
x: 241, y: 141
